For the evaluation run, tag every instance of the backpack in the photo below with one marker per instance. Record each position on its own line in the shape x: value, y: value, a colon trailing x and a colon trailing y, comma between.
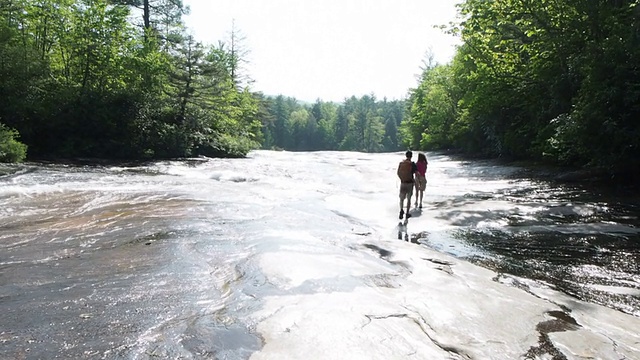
x: 405, y: 171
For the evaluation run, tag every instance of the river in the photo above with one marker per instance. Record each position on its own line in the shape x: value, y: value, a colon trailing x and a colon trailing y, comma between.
x: 301, y: 256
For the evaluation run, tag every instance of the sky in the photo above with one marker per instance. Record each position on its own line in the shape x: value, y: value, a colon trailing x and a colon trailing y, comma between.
x: 330, y: 49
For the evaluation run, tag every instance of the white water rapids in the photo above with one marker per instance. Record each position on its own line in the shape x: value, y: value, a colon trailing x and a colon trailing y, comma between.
x: 290, y: 256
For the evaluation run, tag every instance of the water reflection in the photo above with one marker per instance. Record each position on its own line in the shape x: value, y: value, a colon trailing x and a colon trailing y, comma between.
x: 403, y: 229
x: 580, y: 251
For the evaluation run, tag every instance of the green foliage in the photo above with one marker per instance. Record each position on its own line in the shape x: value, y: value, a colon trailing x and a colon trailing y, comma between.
x: 11, y: 150
x: 432, y: 111
x: 359, y: 124
x: 79, y: 78
x: 554, y: 80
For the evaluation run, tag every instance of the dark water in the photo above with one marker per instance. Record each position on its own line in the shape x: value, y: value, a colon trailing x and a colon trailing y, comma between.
x: 581, y: 239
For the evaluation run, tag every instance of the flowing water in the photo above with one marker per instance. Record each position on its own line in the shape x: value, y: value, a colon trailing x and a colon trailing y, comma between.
x: 281, y: 254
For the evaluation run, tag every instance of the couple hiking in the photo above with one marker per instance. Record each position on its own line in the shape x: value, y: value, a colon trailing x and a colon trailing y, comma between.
x: 412, y: 174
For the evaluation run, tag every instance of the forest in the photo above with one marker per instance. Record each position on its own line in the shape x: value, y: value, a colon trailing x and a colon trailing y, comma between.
x: 551, y: 81
x: 357, y: 124
x: 118, y: 79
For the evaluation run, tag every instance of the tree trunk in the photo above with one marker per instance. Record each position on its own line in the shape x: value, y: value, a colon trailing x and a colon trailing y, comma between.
x: 146, y: 17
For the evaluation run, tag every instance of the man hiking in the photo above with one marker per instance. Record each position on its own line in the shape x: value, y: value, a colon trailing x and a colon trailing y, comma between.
x: 406, y: 169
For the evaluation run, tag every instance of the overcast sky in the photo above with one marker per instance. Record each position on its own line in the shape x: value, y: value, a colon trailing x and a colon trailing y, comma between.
x: 330, y: 49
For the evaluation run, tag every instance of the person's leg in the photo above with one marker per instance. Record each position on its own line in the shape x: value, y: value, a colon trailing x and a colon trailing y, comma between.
x: 403, y: 194
x: 417, y: 188
x: 409, y: 194
x: 423, y: 185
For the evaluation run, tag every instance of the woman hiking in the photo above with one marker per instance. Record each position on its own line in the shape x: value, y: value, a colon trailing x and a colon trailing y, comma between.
x: 421, y: 178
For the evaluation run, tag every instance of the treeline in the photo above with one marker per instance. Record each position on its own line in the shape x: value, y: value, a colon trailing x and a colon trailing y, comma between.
x: 118, y: 79
x: 549, y: 80
x: 357, y: 124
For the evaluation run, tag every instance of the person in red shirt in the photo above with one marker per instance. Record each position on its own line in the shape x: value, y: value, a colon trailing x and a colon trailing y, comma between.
x: 421, y: 178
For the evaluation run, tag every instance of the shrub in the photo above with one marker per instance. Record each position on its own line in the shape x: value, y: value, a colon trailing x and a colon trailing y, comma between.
x: 11, y: 150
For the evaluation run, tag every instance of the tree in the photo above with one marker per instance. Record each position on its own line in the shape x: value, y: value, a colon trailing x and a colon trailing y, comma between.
x: 238, y: 56
x: 432, y: 111
x: 373, y: 132
x: 159, y: 17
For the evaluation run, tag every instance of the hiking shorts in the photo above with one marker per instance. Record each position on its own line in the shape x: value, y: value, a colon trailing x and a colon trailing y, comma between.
x: 406, y: 189
x: 421, y: 182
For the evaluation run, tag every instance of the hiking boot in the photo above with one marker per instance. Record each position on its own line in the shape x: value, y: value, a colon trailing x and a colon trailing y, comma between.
x: 401, y: 214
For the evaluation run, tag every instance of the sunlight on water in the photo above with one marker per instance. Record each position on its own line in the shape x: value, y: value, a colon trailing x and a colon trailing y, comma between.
x: 284, y: 254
